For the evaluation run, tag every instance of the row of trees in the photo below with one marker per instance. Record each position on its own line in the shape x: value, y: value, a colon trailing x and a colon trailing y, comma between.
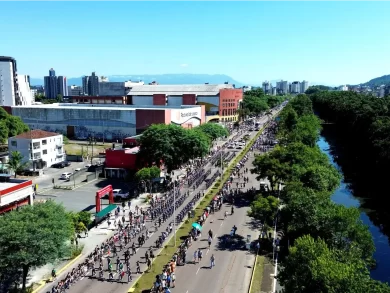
x: 256, y: 102
x: 173, y: 145
x: 10, y: 126
x: 33, y: 236
x: 332, y: 251
x: 363, y: 118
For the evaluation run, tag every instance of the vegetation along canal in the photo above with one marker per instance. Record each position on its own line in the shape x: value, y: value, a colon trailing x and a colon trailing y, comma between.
x: 372, y: 211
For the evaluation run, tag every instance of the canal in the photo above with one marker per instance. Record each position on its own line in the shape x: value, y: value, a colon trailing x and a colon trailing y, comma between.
x: 343, y: 195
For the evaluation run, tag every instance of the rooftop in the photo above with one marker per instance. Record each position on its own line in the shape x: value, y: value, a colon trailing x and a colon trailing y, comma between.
x: 177, y: 90
x: 102, y: 106
x: 36, y: 134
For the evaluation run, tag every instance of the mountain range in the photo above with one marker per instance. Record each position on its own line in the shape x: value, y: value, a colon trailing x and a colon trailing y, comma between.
x: 160, y: 78
x: 383, y: 80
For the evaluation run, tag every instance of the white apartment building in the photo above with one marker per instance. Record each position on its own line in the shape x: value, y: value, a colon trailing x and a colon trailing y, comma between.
x: 343, y: 88
x: 9, y: 92
x: 40, y: 148
x: 25, y: 95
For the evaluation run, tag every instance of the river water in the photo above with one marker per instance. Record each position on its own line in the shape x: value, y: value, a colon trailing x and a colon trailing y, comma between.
x: 345, y: 197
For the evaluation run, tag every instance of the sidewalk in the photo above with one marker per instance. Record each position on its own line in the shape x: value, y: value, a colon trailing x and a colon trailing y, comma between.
x: 101, y: 233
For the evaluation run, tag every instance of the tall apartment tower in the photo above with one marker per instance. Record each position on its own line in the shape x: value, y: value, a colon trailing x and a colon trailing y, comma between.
x: 304, y: 86
x: 91, y: 85
x: 282, y: 87
x: 267, y: 87
x: 51, y: 85
x: 9, y: 89
x: 62, y: 86
x: 296, y: 87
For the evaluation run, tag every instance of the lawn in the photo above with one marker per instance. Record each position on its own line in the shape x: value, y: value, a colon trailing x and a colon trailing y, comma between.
x: 257, y: 275
x: 146, y: 280
x: 82, y: 147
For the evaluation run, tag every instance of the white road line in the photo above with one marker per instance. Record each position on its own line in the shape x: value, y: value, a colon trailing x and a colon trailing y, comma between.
x: 187, y: 291
x: 197, y: 272
x: 207, y: 251
x: 221, y: 223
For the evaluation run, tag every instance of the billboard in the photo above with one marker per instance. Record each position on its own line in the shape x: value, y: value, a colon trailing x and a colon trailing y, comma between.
x: 191, y: 116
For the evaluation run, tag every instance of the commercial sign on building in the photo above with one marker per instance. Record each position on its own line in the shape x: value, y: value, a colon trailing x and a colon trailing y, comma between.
x: 191, y: 116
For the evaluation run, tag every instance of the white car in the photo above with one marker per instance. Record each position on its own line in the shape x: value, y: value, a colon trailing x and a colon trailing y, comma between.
x: 87, y: 166
x: 65, y: 175
x: 120, y: 193
x: 77, y: 169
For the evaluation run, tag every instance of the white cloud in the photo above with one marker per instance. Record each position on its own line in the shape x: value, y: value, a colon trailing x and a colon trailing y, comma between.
x: 184, y: 65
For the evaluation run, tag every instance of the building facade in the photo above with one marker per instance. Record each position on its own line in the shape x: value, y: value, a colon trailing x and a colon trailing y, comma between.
x: 25, y: 95
x: 304, y: 86
x: 74, y: 90
x: 14, y: 193
x: 221, y: 101
x: 267, y: 87
x: 9, y: 90
x: 91, y: 85
x: 62, y: 86
x: 104, y: 121
x: 39, y: 148
x: 295, y: 87
x: 283, y: 87
x: 50, y: 84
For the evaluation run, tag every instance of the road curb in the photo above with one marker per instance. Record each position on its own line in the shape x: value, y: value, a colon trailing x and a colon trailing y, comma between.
x: 253, y: 273
x: 44, y: 282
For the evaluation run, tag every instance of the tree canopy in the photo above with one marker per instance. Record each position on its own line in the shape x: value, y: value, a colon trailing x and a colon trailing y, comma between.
x: 257, y: 102
x: 332, y: 249
x: 10, y: 126
x: 16, y: 162
x: 173, y: 145
x: 34, y: 236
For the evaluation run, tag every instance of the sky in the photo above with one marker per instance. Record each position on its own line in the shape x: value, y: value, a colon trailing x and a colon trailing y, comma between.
x: 324, y: 42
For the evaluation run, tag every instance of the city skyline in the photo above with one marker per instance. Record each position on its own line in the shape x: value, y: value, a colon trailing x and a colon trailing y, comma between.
x: 250, y: 41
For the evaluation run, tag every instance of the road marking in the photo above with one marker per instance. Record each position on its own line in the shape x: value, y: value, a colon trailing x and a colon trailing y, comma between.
x: 197, y: 272
x: 187, y: 291
x: 207, y: 251
x: 221, y: 223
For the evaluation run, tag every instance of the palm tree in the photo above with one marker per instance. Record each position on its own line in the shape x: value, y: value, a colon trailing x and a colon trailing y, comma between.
x: 16, y: 162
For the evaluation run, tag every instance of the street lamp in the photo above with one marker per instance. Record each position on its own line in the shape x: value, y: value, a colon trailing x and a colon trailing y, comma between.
x: 174, y: 210
x: 74, y: 181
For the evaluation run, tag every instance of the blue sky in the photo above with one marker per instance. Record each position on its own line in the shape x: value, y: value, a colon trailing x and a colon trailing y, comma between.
x: 329, y: 42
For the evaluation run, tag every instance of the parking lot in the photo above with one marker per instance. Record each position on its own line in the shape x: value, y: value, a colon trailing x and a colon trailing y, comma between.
x: 82, y: 198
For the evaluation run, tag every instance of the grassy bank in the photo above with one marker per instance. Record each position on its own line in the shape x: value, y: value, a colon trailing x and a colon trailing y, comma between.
x: 145, y: 282
x: 257, y: 275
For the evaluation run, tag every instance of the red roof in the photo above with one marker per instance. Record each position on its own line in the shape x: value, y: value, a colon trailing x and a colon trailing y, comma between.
x: 36, y: 134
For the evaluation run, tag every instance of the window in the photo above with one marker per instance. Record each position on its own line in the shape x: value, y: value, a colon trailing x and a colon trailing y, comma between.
x: 14, y: 143
x: 44, y: 152
x: 44, y: 142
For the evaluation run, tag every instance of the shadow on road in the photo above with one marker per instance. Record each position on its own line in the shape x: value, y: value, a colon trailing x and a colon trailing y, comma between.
x: 230, y: 243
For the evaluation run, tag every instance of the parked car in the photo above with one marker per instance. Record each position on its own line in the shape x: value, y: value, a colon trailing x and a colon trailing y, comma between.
x: 119, y: 193
x: 65, y: 176
x: 77, y: 169
x: 58, y: 165
x: 66, y: 163
x: 87, y: 166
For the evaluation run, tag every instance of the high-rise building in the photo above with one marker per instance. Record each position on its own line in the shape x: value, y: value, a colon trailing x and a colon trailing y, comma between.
x: 267, y: 87
x: 26, y: 98
x: 55, y: 85
x: 91, y: 85
x: 304, y: 86
x: 9, y: 90
x: 274, y: 91
x: 295, y: 87
x: 51, y: 85
x: 62, y: 86
x: 283, y: 87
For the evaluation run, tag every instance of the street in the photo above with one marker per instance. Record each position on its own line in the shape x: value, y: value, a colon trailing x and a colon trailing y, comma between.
x: 232, y: 271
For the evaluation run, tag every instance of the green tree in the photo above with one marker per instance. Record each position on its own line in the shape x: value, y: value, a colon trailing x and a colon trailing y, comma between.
x: 34, y: 236
x: 16, y: 126
x: 213, y: 130
x: 143, y: 175
x: 266, y: 166
x: 155, y: 172
x: 16, y: 162
x: 313, y: 267
x: 302, y: 105
x: 85, y: 218
x: 306, y: 130
x: 3, y: 132
x: 196, y: 144
x: 264, y: 209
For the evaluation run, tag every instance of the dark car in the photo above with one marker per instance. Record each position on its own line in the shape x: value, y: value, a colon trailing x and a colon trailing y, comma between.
x: 58, y: 165
x: 66, y: 163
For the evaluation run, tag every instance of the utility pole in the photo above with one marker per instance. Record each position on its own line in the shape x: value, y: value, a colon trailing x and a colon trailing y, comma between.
x: 92, y: 139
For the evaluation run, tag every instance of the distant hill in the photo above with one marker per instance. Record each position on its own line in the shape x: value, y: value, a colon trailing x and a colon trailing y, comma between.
x: 385, y: 79
x: 160, y: 78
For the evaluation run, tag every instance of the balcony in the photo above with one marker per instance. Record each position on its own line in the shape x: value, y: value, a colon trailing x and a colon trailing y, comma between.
x: 59, y: 155
x: 59, y: 145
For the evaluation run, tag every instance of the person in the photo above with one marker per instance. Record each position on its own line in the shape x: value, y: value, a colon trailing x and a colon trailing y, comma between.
x: 195, y: 256
x: 212, y: 261
x: 209, y: 241
x: 200, y: 255
x: 232, y: 212
x: 54, y: 273
x: 225, y: 214
x: 211, y: 233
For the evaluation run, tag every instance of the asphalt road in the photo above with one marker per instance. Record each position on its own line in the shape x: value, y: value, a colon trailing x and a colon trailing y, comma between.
x: 239, y: 262
x: 233, y: 262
